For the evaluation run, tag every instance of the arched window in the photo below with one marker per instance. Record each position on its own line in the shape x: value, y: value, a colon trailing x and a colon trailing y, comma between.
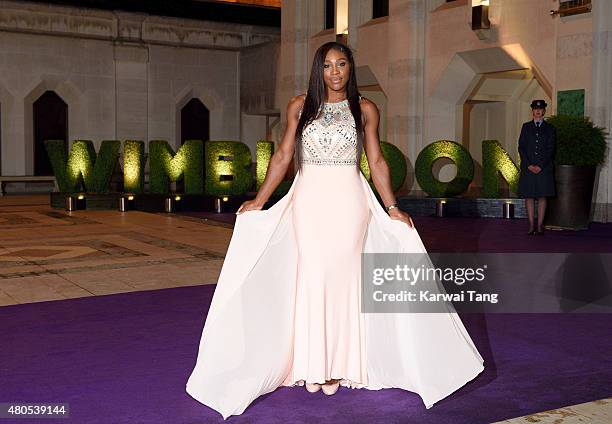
x: 195, y: 125
x: 195, y: 121
x: 380, y: 8
x: 330, y: 14
x: 50, y: 123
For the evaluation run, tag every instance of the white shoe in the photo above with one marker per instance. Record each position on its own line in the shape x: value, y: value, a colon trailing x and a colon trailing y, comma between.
x: 313, y: 387
x: 330, y: 388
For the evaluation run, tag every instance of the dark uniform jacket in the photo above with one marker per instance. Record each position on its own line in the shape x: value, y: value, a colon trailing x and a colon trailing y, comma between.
x: 537, y: 147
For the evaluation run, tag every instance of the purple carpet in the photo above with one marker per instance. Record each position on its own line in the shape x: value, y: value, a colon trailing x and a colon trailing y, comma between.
x: 125, y: 358
x: 491, y: 235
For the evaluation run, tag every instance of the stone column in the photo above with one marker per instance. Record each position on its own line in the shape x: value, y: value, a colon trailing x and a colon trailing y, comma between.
x: 406, y: 47
x: 601, y: 101
x: 360, y: 11
x: 131, y: 78
x: 300, y: 21
x: 293, y: 74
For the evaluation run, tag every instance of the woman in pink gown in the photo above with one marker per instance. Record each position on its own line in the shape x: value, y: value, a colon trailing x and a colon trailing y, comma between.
x: 286, y: 310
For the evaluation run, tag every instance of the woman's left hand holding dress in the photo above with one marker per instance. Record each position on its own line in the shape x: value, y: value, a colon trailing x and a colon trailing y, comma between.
x: 400, y: 215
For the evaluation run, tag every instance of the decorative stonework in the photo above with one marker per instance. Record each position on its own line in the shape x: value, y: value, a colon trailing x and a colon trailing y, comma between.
x: 125, y: 76
x: 100, y: 24
x: 575, y: 45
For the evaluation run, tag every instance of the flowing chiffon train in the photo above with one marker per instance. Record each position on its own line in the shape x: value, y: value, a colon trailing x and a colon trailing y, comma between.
x: 286, y: 305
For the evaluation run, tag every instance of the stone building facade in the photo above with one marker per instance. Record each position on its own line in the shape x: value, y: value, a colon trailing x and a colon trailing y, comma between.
x: 434, y: 77
x: 129, y: 76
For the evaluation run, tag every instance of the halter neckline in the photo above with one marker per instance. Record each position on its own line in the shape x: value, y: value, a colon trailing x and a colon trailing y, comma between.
x: 336, y: 103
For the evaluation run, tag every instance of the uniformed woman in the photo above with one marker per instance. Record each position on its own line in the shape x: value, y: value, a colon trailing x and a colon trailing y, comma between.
x: 537, y: 151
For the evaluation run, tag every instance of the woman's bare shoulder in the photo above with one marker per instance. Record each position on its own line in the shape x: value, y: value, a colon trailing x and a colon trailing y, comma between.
x: 367, y: 104
x: 295, y: 106
x: 296, y: 102
x: 368, y: 108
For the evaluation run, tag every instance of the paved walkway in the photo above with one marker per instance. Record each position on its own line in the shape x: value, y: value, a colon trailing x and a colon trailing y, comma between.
x: 50, y: 254
x: 596, y: 412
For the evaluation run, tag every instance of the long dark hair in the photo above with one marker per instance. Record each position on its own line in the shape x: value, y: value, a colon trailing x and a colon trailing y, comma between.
x: 315, y: 97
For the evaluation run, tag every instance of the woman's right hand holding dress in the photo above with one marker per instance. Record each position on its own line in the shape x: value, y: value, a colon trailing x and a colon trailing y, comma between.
x: 250, y: 205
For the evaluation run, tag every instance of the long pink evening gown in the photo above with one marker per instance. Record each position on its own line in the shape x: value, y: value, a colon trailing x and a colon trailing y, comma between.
x: 286, y: 308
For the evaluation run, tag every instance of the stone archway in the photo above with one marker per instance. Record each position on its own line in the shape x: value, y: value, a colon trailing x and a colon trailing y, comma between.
x: 484, y: 94
x: 195, y: 121
x: 77, y: 113
x: 50, y: 120
x: 462, y: 76
x: 208, y: 100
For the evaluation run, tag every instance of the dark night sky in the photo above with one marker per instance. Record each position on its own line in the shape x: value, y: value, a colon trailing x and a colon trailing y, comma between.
x: 193, y: 9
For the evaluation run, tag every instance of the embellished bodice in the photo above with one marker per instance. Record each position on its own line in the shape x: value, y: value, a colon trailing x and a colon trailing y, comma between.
x: 331, y: 139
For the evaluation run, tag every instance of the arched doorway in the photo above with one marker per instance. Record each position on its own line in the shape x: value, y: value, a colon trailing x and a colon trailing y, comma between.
x: 484, y: 94
x: 495, y: 110
x: 50, y: 115
x: 195, y: 121
x: 195, y: 125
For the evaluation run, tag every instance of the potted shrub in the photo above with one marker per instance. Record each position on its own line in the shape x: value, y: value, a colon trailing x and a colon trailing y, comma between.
x: 580, y: 147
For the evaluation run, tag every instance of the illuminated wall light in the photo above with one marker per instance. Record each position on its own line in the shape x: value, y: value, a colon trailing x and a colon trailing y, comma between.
x: 130, y: 198
x: 177, y: 198
x: 225, y: 198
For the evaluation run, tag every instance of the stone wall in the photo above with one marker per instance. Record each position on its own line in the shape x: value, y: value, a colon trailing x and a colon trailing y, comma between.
x: 428, y: 61
x: 123, y: 75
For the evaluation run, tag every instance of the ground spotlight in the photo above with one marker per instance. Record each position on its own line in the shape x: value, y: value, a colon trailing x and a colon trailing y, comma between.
x: 441, y: 208
x: 508, y: 210
x: 219, y: 203
x: 172, y: 203
x: 126, y: 202
x: 75, y: 202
